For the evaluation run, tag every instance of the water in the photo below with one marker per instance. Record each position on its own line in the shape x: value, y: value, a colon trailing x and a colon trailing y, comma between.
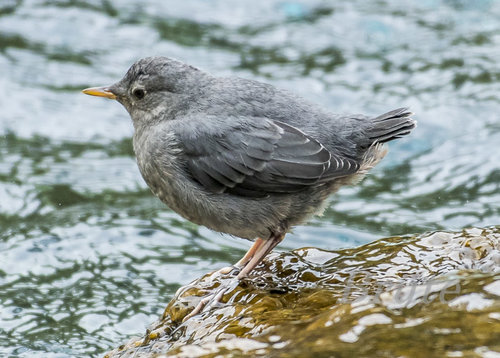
x: 434, y: 295
x: 89, y: 257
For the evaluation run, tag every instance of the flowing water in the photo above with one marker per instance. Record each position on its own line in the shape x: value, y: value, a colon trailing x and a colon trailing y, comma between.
x: 433, y: 295
x: 88, y: 257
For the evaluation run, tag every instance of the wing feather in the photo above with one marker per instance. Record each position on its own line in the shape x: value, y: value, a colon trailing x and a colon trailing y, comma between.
x: 259, y: 158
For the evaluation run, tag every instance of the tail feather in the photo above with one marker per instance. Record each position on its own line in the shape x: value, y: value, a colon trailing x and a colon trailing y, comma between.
x: 391, y: 125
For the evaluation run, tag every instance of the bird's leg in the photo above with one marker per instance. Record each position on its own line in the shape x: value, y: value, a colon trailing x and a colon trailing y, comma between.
x: 245, y: 259
x: 251, y: 251
x: 260, y: 253
x: 252, y: 258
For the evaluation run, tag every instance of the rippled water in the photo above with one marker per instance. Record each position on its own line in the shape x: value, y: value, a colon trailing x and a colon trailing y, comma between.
x: 434, y: 295
x: 89, y: 257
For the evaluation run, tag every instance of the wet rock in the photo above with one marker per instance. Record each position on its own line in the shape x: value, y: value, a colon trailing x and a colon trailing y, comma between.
x: 435, y: 294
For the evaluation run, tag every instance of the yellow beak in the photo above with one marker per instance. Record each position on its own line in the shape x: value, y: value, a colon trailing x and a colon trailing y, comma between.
x: 100, y: 92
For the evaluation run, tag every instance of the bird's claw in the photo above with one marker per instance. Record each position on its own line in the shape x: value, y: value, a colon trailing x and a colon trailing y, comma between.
x: 211, y: 300
x: 233, y: 269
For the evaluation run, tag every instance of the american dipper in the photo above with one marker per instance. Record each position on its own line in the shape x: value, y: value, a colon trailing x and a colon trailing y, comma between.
x: 240, y: 156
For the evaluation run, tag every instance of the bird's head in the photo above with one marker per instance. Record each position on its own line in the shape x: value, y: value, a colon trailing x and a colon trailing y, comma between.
x: 154, y: 88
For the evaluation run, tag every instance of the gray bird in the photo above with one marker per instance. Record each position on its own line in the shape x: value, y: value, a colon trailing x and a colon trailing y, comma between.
x: 240, y: 156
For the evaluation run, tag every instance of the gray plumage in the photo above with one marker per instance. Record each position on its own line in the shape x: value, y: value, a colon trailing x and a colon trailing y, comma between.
x: 243, y: 157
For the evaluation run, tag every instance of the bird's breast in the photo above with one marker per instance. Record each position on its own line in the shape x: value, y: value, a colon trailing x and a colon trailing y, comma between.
x: 157, y: 152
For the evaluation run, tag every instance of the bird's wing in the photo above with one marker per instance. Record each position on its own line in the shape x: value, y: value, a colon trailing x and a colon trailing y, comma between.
x: 260, y: 157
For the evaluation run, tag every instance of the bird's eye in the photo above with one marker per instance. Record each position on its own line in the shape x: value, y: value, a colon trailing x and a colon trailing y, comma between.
x: 139, y: 93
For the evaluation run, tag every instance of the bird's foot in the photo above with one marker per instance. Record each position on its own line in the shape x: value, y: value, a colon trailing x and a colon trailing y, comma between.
x: 233, y: 269
x: 211, y: 300
x: 241, y: 269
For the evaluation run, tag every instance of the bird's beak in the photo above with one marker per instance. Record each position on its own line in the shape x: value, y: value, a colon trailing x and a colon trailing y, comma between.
x: 100, y: 92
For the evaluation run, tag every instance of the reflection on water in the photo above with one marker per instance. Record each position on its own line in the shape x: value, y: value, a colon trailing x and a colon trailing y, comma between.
x: 88, y: 256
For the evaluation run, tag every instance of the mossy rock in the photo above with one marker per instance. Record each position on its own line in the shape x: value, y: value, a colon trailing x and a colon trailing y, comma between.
x: 436, y: 294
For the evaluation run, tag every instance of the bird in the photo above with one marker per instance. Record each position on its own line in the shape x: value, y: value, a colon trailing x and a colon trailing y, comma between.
x: 243, y: 157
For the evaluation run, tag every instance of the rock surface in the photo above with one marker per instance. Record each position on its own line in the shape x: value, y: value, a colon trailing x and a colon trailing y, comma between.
x: 437, y: 294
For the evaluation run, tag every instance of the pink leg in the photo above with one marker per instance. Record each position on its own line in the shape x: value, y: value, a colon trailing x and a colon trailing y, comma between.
x: 245, y: 259
x: 260, y: 253
x: 252, y: 258
x: 251, y: 251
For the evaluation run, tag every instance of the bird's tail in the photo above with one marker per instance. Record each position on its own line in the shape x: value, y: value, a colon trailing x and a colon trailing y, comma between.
x: 391, y: 125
